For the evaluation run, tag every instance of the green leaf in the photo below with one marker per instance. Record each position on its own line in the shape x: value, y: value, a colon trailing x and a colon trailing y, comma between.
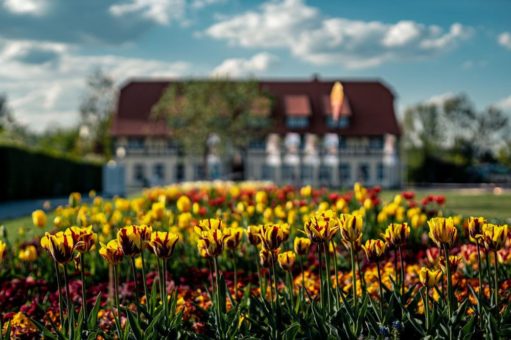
x: 134, y: 325
x: 93, y: 316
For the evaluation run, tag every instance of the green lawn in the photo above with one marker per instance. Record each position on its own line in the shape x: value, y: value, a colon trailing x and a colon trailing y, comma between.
x: 465, y: 202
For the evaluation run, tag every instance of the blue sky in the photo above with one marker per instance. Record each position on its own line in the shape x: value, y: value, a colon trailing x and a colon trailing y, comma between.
x: 425, y: 50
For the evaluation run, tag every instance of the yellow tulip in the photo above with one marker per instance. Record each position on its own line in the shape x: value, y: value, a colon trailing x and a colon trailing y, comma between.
x: 233, y: 237
x: 273, y: 235
x: 267, y: 257
x: 443, y: 231
x: 84, y: 238
x: 28, y: 253
x: 39, y: 218
x: 59, y: 245
x: 475, y: 228
x: 429, y: 277
x: 306, y: 191
x: 494, y: 236
x: 351, y: 229
x: 396, y: 234
x: 130, y: 240
x: 184, y: 204
x: 322, y: 226
x: 75, y: 198
x: 3, y: 251
x: 302, y: 245
x: 111, y: 252
x: 287, y: 260
x: 374, y: 249
x: 254, y: 234
x: 163, y: 243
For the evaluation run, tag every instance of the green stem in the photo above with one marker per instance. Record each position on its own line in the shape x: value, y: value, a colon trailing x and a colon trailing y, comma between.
x: 69, y: 303
x: 144, y: 283
x: 402, y: 279
x: 449, y: 282
x: 381, y: 290
x: 327, y: 272
x: 396, y: 281
x: 426, y: 306
x: 336, y: 278
x: 217, y: 290
x: 134, y: 270
x: 61, y: 313
x: 84, y: 295
x: 303, y: 278
x: 235, y: 276
x: 116, y: 301
x: 164, y: 286
x: 480, y: 270
x: 354, y: 277
x: 321, y: 283
x: 496, y: 279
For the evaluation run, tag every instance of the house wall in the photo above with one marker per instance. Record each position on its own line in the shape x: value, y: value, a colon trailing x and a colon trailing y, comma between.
x: 353, y: 160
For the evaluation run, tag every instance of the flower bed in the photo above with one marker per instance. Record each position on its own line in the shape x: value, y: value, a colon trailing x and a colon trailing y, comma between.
x: 229, y: 260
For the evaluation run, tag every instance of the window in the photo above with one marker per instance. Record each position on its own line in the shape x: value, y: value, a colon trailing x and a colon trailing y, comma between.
x: 257, y: 144
x: 325, y: 177
x: 139, y: 172
x: 363, y: 172
x: 307, y: 173
x: 159, y: 171
x: 342, y: 122
x: 199, y: 173
x: 180, y: 172
x: 268, y: 173
x: 135, y: 143
x: 345, y: 172
x: 376, y: 143
x: 294, y: 122
x: 214, y: 171
x: 380, y: 172
x: 342, y: 143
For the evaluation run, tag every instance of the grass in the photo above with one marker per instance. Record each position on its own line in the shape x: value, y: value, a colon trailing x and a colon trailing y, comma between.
x: 465, y: 202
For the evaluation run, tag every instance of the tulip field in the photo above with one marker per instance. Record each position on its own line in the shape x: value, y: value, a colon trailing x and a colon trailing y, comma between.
x: 253, y: 260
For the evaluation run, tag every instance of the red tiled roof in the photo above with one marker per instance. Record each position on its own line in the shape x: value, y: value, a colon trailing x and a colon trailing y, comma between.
x: 371, y: 104
x: 297, y: 105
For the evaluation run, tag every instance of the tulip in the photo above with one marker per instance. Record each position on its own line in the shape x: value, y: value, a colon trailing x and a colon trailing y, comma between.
x: 254, y: 234
x: 184, y: 204
x: 273, y: 235
x: 374, y: 250
x: 3, y: 251
x: 163, y: 243
x: 233, y: 238
x: 111, y: 252
x: 442, y: 231
x: 84, y: 239
x: 74, y: 199
x: 130, y: 240
x: 454, y: 262
x: 302, y: 245
x: 60, y: 246
x: 321, y: 227
x: 39, y: 218
x: 494, y: 236
x: 396, y: 234
x: 28, y: 253
x: 287, y: 260
x: 351, y: 229
x: 475, y: 228
x: 429, y: 277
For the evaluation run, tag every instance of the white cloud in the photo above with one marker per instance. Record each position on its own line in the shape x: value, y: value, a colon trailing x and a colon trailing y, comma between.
x: 504, y: 104
x: 26, y: 7
x: 200, y: 4
x: 440, y: 99
x: 47, y: 94
x: 238, y: 67
x: 302, y: 30
x: 504, y: 39
x: 158, y: 11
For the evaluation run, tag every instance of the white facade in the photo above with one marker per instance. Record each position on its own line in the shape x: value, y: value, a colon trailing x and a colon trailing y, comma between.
x: 371, y: 161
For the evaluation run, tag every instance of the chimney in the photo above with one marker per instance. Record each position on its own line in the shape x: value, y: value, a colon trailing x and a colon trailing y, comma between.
x: 315, y: 77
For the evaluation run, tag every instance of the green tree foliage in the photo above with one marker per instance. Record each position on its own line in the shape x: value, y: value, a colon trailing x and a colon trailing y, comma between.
x: 235, y: 111
x: 96, y: 110
x: 453, y: 132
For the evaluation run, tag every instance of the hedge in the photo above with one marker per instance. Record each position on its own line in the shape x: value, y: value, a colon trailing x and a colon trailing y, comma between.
x: 29, y: 174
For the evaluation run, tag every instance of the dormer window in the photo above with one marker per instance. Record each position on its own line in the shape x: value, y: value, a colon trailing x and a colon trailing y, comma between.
x: 298, y: 110
x: 343, y: 120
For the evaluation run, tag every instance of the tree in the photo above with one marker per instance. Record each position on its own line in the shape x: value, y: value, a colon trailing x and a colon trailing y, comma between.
x: 233, y: 111
x: 96, y: 110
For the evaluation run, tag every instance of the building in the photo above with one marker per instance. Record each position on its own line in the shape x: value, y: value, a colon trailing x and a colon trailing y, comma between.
x: 306, y: 145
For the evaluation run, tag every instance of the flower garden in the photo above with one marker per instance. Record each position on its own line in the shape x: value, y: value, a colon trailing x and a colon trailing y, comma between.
x: 253, y: 260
